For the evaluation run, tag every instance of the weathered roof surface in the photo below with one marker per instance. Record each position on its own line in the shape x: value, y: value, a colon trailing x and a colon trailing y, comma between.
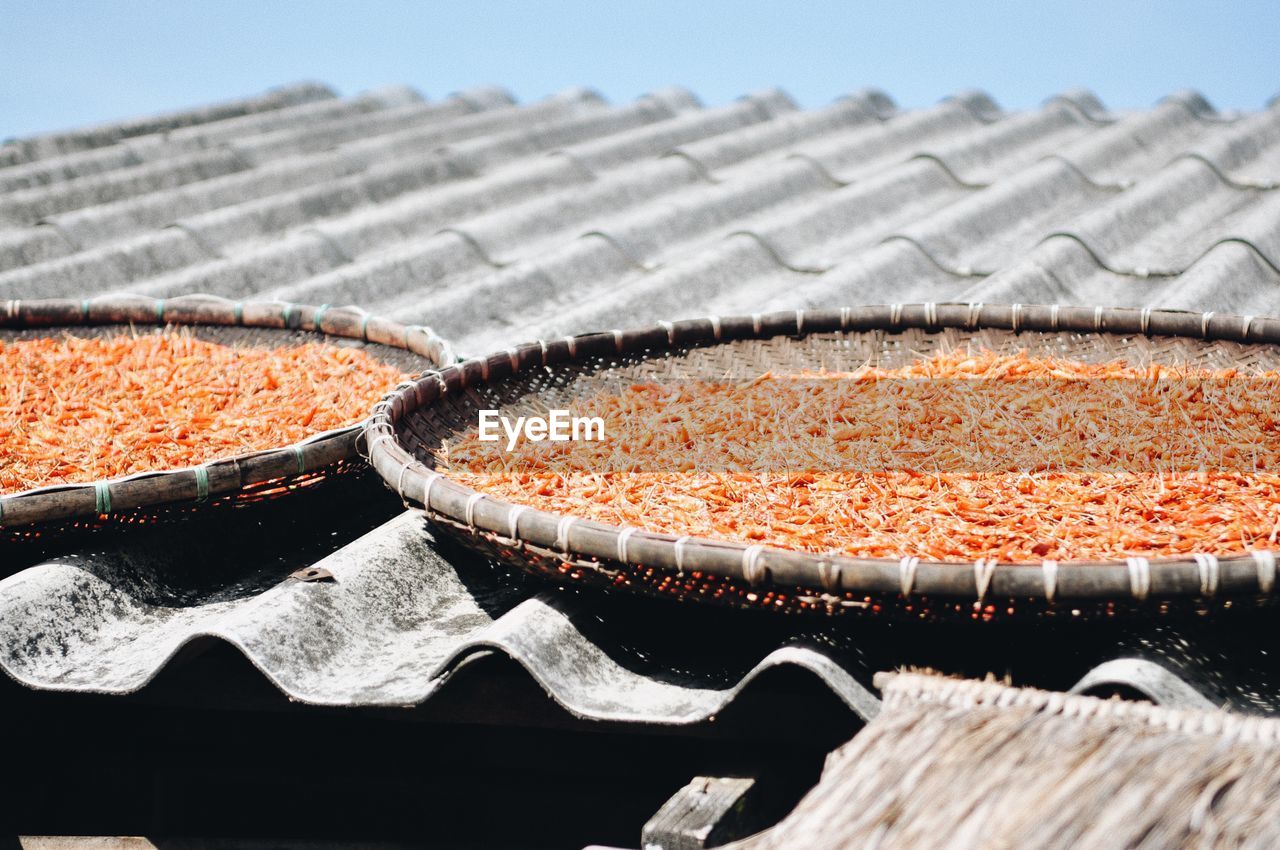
x: 496, y: 222
x: 961, y: 764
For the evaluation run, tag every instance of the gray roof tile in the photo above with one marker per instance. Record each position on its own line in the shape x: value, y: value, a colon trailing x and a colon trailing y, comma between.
x: 419, y: 214
x: 654, y: 139
x: 739, y: 145
x: 1137, y: 145
x: 309, y: 638
x: 107, y: 268
x: 1230, y: 277
x: 1164, y: 223
x: 989, y: 152
x: 30, y: 206
x: 818, y: 234
x: 505, y: 235
x: 897, y: 270
x: 865, y: 149
x: 35, y: 245
x: 112, y: 221
x: 53, y: 144
x: 445, y: 256
x: 988, y: 228
x: 1246, y: 155
x: 159, y: 145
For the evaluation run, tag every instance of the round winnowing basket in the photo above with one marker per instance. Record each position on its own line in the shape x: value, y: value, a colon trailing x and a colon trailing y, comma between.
x: 151, y: 495
x: 409, y: 429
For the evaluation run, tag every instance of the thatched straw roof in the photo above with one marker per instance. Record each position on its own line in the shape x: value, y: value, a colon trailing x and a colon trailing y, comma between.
x: 960, y: 764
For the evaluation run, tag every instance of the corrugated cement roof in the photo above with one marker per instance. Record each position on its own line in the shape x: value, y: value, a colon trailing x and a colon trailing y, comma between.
x: 496, y: 222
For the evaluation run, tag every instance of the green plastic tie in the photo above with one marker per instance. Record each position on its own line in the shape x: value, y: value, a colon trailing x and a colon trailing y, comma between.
x: 297, y: 453
x: 160, y: 310
x: 84, y: 309
x: 202, y: 483
x: 239, y: 312
x: 364, y: 327
x: 320, y: 311
x: 102, y: 497
x: 287, y: 314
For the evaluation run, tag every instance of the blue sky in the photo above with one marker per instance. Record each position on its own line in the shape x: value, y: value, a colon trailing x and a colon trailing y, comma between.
x: 66, y: 63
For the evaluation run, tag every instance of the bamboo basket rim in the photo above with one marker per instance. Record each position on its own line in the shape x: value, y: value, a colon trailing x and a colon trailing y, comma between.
x: 223, y: 476
x: 582, y: 544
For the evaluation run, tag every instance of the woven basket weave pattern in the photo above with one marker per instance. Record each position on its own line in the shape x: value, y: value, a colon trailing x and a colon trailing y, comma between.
x: 151, y: 496
x: 412, y: 425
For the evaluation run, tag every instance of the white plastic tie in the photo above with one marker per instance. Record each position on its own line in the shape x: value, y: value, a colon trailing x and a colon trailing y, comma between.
x: 975, y: 313
x: 202, y: 482
x: 755, y: 323
x: 1053, y: 316
x: 572, y: 343
x: 513, y: 521
x: 1145, y: 321
x: 671, y: 332
x: 381, y: 438
x: 829, y: 575
x: 715, y: 326
x: 752, y: 571
x: 930, y: 314
x: 617, y: 339
x: 845, y: 314
x: 1015, y: 317
x: 1097, y: 319
x: 623, y: 537
x: 400, y: 478
x: 679, y: 547
x: 426, y: 491
x: 1204, y: 323
x: 1265, y: 561
x: 102, y: 497
x: 895, y: 314
x: 983, y: 569
x: 1050, y: 570
x: 562, y: 532
x: 1246, y: 322
x: 439, y: 376
x: 799, y: 322
x: 469, y: 512
x: 1139, y: 577
x: 1209, y: 573
x: 514, y: 356
x: 907, y: 574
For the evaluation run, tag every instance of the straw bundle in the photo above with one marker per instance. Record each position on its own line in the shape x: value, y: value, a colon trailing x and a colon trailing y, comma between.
x: 961, y: 764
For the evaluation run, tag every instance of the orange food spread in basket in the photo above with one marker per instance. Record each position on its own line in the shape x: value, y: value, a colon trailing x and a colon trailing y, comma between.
x: 958, y: 456
x: 76, y: 410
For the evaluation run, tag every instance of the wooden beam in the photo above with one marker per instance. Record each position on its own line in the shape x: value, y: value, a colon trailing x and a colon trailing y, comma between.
x: 708, y: 812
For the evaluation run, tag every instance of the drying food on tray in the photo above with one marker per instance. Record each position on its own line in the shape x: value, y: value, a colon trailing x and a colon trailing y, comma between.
x: 960, y: 455
x: 76, y: 410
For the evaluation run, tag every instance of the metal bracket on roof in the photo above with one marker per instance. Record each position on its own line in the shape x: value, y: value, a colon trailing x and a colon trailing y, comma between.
x: 313, y: 574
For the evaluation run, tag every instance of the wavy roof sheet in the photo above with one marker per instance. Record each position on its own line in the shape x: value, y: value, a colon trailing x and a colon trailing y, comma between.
x: 496, y: 222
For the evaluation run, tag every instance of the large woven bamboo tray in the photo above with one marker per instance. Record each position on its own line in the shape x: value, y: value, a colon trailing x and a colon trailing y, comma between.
x: 254, y: 476
x: 409, y: 428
